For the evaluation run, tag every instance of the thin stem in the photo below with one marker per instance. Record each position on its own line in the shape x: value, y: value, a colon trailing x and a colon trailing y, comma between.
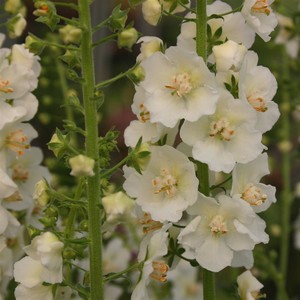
x: 108, y: 38
x: 286, y: 195
x: 103, y: 23
x: 178, y: 17
x: 91, y: 127
x: 225, y: 14
x: 69, y: 21
x: 202, y: 169
x: 65, y: 4
x: 118, y: 275
x: 112, y: 80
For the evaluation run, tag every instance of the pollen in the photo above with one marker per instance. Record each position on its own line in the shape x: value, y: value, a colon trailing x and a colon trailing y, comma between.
x: 17, y: 142
x: 221, y: 129
x: 144, y: 115
x: 165, y: 183
x: 149, y: 224
x: 261, y: 6
x: 253, y: 195
x: 160, y: 270
x: 181, y: 85
x: 258, y: 103
x: 4, y: 87
x: 218, y: 225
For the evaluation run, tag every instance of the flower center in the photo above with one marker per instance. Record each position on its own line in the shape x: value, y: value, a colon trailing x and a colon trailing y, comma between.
x: 16, y: 196
x: 222, y: 129
x: 20, y: 173
x: 218, y: 225
x: 258, y: 103
x: 144, y: 114
x: 16, y: 141
x: 253, y: 195
x: 181, y: 84
x: 149, y: 224
x: 261, y: 6
x: 4, y: 86
x: 165, y: 183
x: 160, y: 269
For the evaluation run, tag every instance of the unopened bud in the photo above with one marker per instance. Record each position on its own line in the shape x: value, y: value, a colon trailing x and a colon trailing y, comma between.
x: 42, y: 8
x: 34, y: 45
x: 16, y: 26
x: 127, y: 38
x: 149, y: 45
x: 82, y: 165
x: 151, y: 11
x: 56, y: 145
x: 70, y: 34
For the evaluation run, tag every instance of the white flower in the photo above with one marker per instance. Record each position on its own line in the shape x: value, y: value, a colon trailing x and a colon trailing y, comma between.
x: 22, y: 56
x: 246, y: 183
x: 226, y: 137
x: 259, y: 16
x: 17, y: 27
x: 166, y: 187
x: 10, y: 114
x: 151, y: 11
x: 8, y: 223
x: 47, y: 249
x: 229, y: 56
x: 183, y: 88
x: 149, y: 45
x: 219, y: 229
x: 82, y: 165
x: 154, y: 267
x: 248, y: 286
x: 37, y: 292
x: 7, y: 186
x: 257, y: 86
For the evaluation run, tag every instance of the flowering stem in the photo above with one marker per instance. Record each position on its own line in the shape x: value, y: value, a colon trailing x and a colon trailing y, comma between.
x: 119, y: 274
x: 91, y: 127
x: 286, y: 196
x: 201, y: 41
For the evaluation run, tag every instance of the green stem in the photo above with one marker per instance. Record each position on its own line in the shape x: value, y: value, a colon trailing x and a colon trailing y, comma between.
x: 286, y: 195
x: 118, y: 275
x: 65, y: 4
x: 108, y: 38
x: 91, y: 127
x: 112, y: 80
x: 202, y: 169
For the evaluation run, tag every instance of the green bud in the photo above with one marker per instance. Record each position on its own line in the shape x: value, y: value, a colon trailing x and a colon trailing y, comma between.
x: 42, y: 8
x: 70, y: 34
x: 40, y: 194
x: 48, y: 221
x: 127, y: 38
x: 83, y: 226
x: 69, y: 253
x: 118, y: 18
x: 51, y: 212
x: 16, y: 26
x: 56, y: 144
x: 138, y: 74
x: 34, y: 45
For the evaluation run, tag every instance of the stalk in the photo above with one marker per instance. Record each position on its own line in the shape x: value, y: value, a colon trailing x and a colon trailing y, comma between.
x: 202, y: 173
x: 286, y: 195
x: 91, y: 127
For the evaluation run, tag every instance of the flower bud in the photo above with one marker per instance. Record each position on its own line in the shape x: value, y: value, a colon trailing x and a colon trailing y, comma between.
x: 14, y: 6
x: 138, y: 74
x: 151, y: 11
x: 56, y: 145
x: 40, y: 194
x: 127, y: 38
x: 229, y: 56
x: 149, y: 45
x: 34, y: 45
x: 82, y: 165
x: 70, y: 34
x: 117, y: 204
x: 42, y: 8
x: 16, y: 26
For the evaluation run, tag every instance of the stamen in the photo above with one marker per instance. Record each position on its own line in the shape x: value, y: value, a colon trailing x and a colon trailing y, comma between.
x: 253, y: 195
x: 181, y: 85
x: 144, y: 114
x: 261, y: 6
x: 16, y: 141
x: 160, y: 269
x: 20, y: 173
x: 218, y: 225
x: 4, y: 86
x: 258, y: 103
x: 222, y: 129
x: 165, y: 183
x: 16, y: 196
x: 149, y: 224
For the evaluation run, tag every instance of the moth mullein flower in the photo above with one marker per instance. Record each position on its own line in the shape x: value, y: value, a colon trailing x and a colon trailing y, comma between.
x: 248, y: 286
x: 220, y: 228
x: 166, y: 187
x: 183, y: 89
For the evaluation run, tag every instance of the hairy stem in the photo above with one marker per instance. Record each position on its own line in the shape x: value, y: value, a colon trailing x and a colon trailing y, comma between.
x: 91, y: 127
